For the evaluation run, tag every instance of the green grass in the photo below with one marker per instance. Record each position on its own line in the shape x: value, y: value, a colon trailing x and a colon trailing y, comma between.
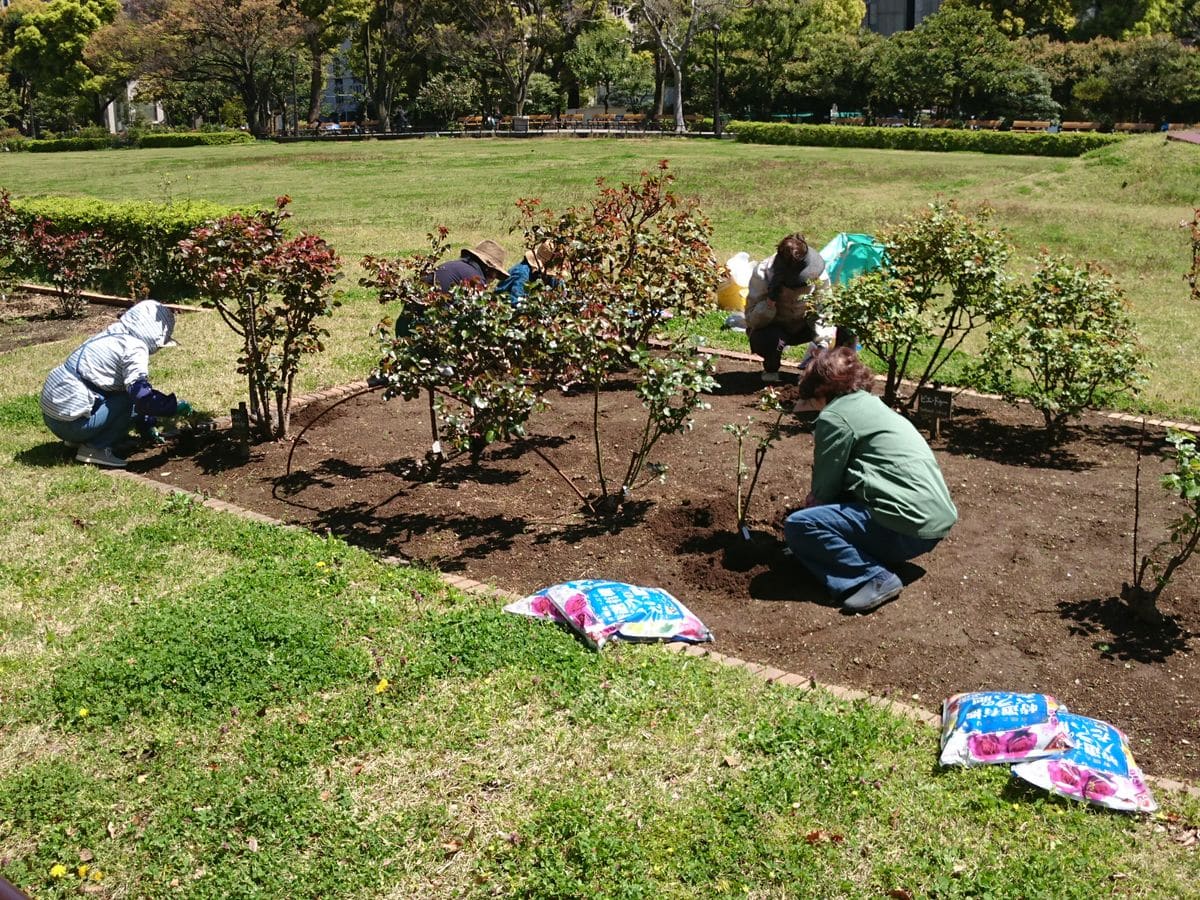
x: 196, y: 704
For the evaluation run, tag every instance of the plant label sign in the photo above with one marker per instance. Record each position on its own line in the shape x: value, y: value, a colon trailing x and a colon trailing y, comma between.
x: 935, y: 404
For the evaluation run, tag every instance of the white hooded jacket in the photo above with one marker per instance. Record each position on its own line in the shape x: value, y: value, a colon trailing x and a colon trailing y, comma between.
x: 109, y: 362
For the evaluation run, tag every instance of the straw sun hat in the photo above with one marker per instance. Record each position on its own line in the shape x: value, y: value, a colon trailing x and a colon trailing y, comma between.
x: 490, y: 254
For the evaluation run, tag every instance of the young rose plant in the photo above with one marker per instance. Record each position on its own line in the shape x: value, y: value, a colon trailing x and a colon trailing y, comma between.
x: 769, y: 402
x: 1155, y: 570
x: 72, y: 262
x: 272, y: 292
x: 1066, y: 343
x: 634, y: 257
x: 483, y: 363
x: 944, y: 278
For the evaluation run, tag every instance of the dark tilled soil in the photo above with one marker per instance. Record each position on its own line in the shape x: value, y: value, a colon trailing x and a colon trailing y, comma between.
x: 27, y: 319
x: 1022, y: 595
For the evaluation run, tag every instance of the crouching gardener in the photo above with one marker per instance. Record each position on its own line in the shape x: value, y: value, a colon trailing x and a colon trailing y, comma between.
x: 878, y: 497
x: 103, y: 389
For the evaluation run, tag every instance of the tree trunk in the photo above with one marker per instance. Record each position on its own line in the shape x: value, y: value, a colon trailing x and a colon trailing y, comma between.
x: 680, y: 125
x: 660, y: 73
x: 1142, y: 603
x: 316, y: 80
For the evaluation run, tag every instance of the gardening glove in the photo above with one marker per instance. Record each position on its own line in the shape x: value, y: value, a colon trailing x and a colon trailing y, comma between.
x: 183, y: 409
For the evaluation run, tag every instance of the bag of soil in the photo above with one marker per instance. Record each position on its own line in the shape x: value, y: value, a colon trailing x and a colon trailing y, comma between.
x: 1098, y: 768
x: 598, y: 610
x: 1000, y: 726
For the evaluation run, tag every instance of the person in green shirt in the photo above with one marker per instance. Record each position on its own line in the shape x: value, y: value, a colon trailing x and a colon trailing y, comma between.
x: 878, y: 497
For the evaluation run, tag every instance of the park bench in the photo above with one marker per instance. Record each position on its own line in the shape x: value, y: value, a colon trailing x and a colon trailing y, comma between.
x: 941, y: 123
x: 602, y: 121
x: 540, y: 122
x: 632, y: 121
x: 1080, y: 126
x: 1181, y: 126
x: 1133, y: 127
x: 570, y: 120
x: 1030, y: 125
x: 891, y: 122
x: 466, y: 123
x: 986, y: 124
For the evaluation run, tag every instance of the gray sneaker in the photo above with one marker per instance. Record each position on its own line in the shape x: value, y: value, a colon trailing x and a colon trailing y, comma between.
x: 873, y: 594
x: 770, y: 378
x: 99, y: 456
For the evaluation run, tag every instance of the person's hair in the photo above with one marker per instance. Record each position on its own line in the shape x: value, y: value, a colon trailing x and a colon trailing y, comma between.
x: 833, y: 373
x: 790, y: 257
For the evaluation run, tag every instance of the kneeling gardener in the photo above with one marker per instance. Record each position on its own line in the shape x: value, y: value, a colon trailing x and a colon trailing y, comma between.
x: 878, y: 497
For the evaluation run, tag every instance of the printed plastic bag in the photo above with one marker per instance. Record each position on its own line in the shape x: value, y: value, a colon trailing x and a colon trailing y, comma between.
x: 731, y: 294
x: 850, y: 255
x: 1098, y: 769
x: 597, y: 610
x: 1001, y: 726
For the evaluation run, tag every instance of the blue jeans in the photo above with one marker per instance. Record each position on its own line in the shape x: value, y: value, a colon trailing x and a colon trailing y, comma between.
x: 844, y: 548
x: 109, y: 422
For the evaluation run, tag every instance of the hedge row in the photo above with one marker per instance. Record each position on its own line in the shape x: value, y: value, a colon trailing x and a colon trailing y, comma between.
x: 141, y: 234
x: 933, y: 139
x: 118, y: 142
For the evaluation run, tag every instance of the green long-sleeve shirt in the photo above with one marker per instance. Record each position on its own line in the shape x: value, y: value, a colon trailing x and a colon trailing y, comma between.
x: 872, y: 454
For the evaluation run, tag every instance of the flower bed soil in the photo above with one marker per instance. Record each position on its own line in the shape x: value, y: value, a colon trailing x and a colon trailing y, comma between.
x: 1021, y: 595
x: 31, y: 318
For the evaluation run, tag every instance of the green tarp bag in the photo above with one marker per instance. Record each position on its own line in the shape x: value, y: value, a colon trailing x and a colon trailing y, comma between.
x: 849, y: 255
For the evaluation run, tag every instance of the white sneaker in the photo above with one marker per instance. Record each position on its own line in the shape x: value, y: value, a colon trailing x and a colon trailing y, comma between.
x: 770, y: 378
x: 99, y: 456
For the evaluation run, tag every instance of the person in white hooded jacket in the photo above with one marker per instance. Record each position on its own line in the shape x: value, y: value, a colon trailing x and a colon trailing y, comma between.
x: 103, y: 389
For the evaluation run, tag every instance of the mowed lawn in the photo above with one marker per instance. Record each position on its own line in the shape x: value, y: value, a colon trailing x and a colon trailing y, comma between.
x: 1120, y: 206
x: 196, y: 706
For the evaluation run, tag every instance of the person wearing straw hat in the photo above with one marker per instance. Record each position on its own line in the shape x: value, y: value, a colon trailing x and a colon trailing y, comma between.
x: 476, y: 265
x: 103, y: 389
x: 539, y: 264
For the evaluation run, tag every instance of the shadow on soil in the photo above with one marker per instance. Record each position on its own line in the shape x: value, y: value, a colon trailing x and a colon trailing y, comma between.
x: 973, y: 434
x: 1122, y: 636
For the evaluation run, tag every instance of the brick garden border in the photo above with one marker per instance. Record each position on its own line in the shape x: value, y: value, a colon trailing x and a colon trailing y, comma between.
x: 769, y: 674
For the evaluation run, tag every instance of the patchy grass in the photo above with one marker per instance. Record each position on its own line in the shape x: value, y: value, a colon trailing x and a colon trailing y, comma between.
x: 270, y: 713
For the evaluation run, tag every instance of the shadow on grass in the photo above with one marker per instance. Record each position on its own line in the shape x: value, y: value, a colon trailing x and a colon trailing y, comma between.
x: 45, y: 456
x: 1121, y: 635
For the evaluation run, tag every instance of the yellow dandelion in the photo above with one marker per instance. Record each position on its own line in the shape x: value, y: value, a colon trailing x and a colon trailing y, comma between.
x: 83, y: 712
x: 58, y: 870
x: 382, y: 686
x: 321, y: 563
x: 82, y: 870
x: 96, y: 875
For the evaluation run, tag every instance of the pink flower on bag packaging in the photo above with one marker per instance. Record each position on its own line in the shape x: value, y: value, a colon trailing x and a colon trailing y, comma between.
x: 1080, y: 782
x: 576, y: 606
x: 541, y: 605
x: 1021, y: 743
x: 985, y: 746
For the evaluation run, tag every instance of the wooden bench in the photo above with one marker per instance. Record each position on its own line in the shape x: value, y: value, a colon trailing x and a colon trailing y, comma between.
x: 850, y: 120
x: 986, y: 124
x: 941, y: 123
x: 1080, y: 126
x: 602, y: 121
x: 631, y: 121
x: 891, y: 122
x: 1181, y: 126
x: 466, y: 123
x: 540, y: 122
x: 570, y: 120
x: 1030, y: 125
x: 1133, y: 127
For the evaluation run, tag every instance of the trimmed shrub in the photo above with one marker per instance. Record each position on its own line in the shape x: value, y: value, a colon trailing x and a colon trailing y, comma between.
x: 62, y: 145
x: 937, y: 140
x: 195, y: 139
x: 142, y: 236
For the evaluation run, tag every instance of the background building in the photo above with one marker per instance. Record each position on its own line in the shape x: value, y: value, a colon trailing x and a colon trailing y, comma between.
x: 889, y: 16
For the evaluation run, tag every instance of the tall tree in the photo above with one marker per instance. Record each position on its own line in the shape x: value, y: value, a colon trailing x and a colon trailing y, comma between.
x: 510, y: 38
x: 327, y: 23
x: 1055, y: 18
x: 245, y: 44
x: 602, y: 55
x: 393, y: 42
x: 675, y: 24
x: 48, y: 40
